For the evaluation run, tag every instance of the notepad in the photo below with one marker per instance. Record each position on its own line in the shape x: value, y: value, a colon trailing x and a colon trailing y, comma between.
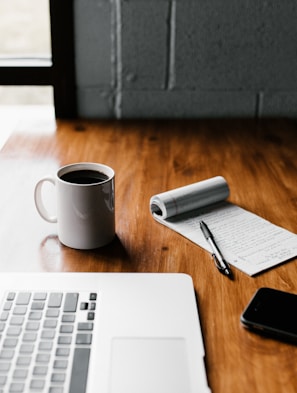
x: 247, y: 241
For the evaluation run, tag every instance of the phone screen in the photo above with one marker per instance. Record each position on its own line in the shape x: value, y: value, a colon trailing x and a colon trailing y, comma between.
x: 273, y: 312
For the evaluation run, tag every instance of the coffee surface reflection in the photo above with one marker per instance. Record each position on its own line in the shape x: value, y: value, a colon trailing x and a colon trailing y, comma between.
x: 84, y: 176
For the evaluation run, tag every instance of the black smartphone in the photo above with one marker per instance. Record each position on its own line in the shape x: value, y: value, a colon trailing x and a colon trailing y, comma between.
x: 273, y: 313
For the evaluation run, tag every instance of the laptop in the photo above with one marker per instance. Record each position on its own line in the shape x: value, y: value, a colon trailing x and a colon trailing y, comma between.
x: 100, y: 332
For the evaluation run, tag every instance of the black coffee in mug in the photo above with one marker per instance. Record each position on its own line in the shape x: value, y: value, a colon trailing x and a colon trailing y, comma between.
x: 84, y: 176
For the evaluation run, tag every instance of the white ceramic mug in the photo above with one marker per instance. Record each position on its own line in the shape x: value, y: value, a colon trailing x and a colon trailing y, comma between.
x: 85, y: 204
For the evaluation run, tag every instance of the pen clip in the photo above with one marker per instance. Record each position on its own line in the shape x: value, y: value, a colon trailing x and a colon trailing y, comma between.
x: 217, y: 262
x: 222, y: 269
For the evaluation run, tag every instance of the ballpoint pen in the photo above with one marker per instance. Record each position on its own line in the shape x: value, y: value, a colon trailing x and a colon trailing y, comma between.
x: 220, y: 262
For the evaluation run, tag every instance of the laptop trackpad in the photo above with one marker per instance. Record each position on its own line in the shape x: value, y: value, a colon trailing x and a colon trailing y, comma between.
x: 147, y: 365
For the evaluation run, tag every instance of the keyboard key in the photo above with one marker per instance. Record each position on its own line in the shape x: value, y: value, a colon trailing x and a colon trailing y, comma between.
x: 64, y: 340
x: 70, y: 302
x: 93, y: 296
x: 58, y: 377
x: 56, y: 389
x: 50, y: 323
x: 48, y: 334
x: 7, y: 306
x: 37, y: 384
x: 4, y: 367
x: 83, y: 339
x: 85, y: 326
x: 3, y: 379
x: 17, y: 321
x: 32, y: 326
x: 45, y: 346
x: 37, y: 306
x: 19, y: 310
x: 23, y: 298
x: 55, y: 300
x: 91, y: 316
x: 10, y: 296
x: 10, y: 343
x: 4, y: 316
x: 26, y: 348
x: 66, y: 328
x: 35, y: 315
x: 62, y: 352
x: 29, y: 337
x: 16, y: 388
x: 40, y: 296
x: 23, y: 361
x: 79, y: 371
x: 52, y: 313
x: 40, y: 370
x: 42, y: 358
x: 20, y: 374
x: 14, y: 331
x: 6, y: 354
x: 68, y: 318
x: 60, y: 364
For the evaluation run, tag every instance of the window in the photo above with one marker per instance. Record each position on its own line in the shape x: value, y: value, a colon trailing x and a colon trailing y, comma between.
x: 53, y: 68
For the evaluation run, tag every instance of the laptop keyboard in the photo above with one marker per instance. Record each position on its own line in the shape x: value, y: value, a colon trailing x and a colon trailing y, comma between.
x: 45, y: 341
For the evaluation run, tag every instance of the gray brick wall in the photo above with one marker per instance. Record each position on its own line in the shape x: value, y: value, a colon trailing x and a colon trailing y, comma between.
x: 186, y: 58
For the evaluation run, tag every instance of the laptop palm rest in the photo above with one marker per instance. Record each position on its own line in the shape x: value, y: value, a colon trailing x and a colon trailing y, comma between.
x: 149, y: 365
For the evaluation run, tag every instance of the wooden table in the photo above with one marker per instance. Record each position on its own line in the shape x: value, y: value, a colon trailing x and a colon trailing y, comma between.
x: 259, y: 161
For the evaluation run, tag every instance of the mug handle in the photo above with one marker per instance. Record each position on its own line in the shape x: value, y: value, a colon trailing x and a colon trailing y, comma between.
x: 39, y: 202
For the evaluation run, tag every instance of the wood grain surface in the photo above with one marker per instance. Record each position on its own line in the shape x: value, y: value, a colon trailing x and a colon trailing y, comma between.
x: 259, y: 161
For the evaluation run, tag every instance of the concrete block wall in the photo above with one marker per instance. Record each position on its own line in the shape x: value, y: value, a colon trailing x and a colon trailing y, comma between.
x: 186, y: 58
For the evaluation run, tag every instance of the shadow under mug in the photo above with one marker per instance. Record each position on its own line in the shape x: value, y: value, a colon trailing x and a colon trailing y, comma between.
x: 85, y: 204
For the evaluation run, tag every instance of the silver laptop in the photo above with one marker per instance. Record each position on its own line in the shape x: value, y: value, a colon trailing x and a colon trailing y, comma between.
x: 100, y: 332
